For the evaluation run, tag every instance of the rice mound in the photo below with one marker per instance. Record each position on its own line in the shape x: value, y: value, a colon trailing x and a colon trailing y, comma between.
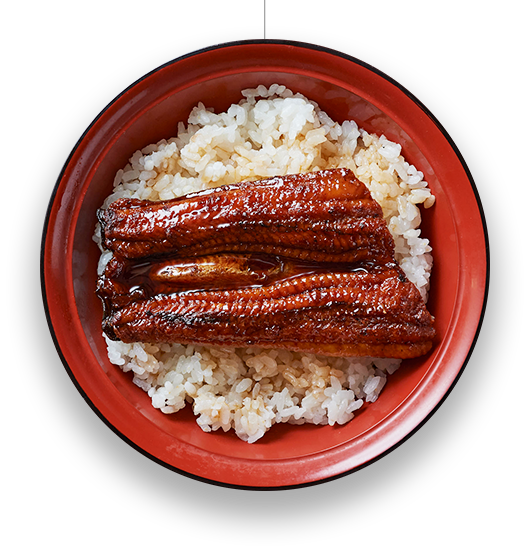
x: 270, y: 132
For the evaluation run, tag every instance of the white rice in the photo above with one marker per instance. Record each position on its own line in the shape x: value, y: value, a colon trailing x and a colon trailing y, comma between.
x: 270, y: 132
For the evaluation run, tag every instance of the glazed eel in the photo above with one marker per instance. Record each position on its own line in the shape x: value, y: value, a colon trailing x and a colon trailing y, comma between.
x: 302, y: 262
x: 321, y: 216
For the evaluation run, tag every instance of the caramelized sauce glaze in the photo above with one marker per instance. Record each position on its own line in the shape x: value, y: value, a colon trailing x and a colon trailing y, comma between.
x: 301, y: 262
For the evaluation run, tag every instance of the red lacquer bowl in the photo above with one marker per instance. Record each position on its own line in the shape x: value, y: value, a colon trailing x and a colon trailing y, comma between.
x: 149, y: 110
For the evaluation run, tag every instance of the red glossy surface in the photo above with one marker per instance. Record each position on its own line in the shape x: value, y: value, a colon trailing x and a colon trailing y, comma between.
x: 150, y: 110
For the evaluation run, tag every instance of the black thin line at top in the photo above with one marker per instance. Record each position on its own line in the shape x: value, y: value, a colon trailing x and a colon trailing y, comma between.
x: 264, y: 18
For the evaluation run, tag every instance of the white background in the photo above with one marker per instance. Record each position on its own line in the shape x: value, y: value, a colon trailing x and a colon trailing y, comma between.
x: 454, y: 9
x: 75, y: 67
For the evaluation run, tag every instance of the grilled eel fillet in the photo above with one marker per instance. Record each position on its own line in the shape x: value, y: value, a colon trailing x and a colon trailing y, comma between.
x: 303, y: 262
x: 322, y: 216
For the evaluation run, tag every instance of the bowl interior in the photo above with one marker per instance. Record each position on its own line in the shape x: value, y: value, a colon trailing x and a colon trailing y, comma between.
x: 149, y: 111
x: 160, y: 121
